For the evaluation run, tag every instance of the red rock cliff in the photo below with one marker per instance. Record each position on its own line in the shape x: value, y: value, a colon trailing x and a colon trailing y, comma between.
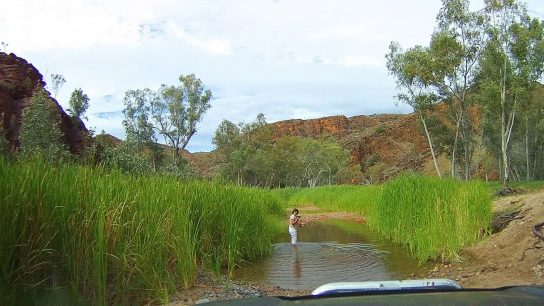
x: 18, y: 79
x: 395, y: 141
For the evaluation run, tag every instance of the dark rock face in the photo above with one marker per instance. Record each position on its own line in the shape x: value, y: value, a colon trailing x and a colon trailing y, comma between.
x: 18, y: 79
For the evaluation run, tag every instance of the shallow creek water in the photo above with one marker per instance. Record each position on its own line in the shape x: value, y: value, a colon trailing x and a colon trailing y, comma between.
x: 331, y: 251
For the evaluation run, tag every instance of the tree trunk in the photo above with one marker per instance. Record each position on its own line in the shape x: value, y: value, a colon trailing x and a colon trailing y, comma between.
x: 504, y: 129
x: 455, y: 142
x: 467, y: 148
x: 528, y: 175
x: 538, y: 155
x: 430, y: 144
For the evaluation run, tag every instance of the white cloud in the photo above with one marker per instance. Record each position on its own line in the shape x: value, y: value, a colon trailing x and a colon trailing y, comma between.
x: 286, y: 59
x: 56, y: 24
x: 361, y: 60
x: 213, y: 46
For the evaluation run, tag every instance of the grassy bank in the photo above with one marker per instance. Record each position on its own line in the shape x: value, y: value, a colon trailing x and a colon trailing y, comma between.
x: 433, y: 217
x: 109, y: 238
x: 357, y: 199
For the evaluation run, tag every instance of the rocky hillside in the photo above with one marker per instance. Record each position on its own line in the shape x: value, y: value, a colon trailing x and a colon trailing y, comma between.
x: 388, y: 143
x: 18, y: 79
x: 380, y: 145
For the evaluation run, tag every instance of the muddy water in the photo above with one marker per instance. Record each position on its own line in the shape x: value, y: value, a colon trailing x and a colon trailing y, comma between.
x: 331, y: 251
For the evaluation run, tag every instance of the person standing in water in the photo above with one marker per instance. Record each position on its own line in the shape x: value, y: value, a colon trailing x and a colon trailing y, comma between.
x: 294, y: 223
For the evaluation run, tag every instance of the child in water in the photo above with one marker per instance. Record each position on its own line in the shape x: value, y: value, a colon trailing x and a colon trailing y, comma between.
x: 294, y: 223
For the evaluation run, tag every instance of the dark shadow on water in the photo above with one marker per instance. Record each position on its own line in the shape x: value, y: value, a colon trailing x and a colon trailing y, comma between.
x: 333, y: 251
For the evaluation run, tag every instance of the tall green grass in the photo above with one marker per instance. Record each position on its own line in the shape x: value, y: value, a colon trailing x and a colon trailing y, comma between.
x: 108, y: 238
x: 355, y: 199
x: 434, y: 218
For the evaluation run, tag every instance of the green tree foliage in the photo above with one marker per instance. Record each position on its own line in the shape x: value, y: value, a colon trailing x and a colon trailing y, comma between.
x: 251, y: 156
x: 122, y: 158
x: 140, y: 146
x: 512, y: 64
x: 240, y: 148
x: 79, y: 103
x: 176, y: 110
x: 456, y: 47
x: 495, y: 57
x: 173, y: 112
x: 40, y: 130
x: 413, y: 72
x: 57, y: 81
x: 444, y: 71
x: 534, y: 135
x: 138, y: 128
x: 321, y: 161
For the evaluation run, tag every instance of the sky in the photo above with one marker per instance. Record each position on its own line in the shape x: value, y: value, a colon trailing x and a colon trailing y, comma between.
x: 287, y: 59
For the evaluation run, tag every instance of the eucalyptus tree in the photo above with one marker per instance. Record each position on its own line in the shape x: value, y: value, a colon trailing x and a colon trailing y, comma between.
x: 455, y: 49
x: 241, y: 148
x: 140, y: 137
x: 528, y: 51
x: 57, y: 81
x: 413, y: 72
x: 513, y: 63
x: 534, y: 134
x: 79, y: 103
x: 138, y: 128
x: 227, y: 136
x: 251, y: 155
x: 176, y: 110
x: 228, y: 140
x: 40, y: 132
x: 321, y: 161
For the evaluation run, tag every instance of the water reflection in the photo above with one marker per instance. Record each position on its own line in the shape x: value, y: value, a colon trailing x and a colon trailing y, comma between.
x: 297, y: 271
x: 311, y: 264
x: 329, y: 252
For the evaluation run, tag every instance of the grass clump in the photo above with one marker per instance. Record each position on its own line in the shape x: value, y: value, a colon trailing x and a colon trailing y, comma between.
x: 108, y: 238
x: 433, y: 217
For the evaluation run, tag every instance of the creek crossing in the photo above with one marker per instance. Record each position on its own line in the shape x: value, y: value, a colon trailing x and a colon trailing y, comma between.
x: 331, y: 251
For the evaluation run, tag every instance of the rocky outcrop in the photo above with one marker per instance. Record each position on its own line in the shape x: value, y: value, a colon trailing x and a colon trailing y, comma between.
x: 18, y: 79
x: 394, y: 141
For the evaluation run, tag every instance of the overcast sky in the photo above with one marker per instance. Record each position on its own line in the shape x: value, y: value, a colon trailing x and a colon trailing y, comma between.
x: 289, y: 59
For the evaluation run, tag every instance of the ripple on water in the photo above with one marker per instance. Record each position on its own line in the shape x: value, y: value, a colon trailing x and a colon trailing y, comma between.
x: 311, y: 264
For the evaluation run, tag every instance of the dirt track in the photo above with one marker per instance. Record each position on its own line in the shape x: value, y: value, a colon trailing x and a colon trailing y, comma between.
x: 513, y: 256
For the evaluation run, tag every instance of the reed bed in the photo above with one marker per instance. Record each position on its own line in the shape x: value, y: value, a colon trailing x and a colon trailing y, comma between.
x: 434, y: 218
x: 107, y: 238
